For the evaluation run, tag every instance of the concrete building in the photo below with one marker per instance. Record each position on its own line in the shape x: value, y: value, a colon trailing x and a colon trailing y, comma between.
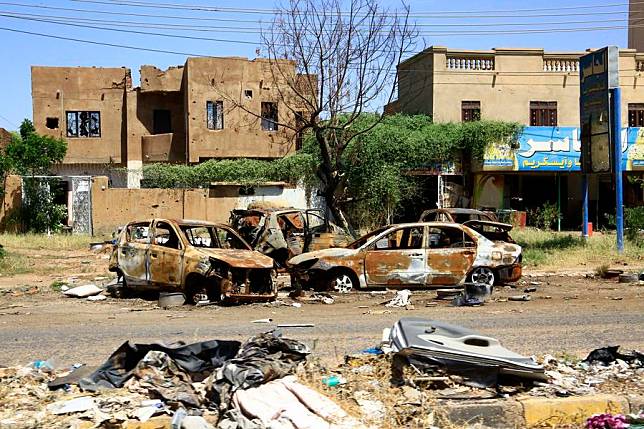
x: 636, y: 25
x: 207, y: 108
x: 541, y: 91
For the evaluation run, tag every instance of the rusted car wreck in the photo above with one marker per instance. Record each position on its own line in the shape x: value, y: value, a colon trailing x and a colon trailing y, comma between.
x: 284, y: 233
x: 410, y: 255
x: 205, y: 261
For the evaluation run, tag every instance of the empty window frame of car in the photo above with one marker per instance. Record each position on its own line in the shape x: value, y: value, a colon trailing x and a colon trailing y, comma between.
x: 448, y: 237
x: 402, y: 238
x: 166, y: 236
x: 206, y: 236
x: 138, y: 233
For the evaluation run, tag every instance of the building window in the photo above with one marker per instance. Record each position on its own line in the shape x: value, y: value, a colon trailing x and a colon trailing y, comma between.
x: 269, y: 116
x: 215, y: 115
x: 636, y: 114
x: 470, y: 111
x: 51, y: 123
x: 543, y: 113
x: 161, y: 121
x: 248, y: 93
x: 299, y: 124
x: 83, y: 124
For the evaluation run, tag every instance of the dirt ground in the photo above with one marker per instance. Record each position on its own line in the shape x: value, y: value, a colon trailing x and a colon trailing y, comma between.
x: 568, y: 314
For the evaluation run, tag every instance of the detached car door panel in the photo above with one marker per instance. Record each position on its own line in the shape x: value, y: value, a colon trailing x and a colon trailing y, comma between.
x: 397, y: 259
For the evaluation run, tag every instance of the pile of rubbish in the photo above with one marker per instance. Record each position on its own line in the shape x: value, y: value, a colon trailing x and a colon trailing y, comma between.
x: 222, y: 384
x: 270, y: 381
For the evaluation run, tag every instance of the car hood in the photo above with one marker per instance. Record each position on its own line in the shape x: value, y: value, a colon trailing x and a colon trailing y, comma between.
x: 336, y: 252
x: 239, y: 258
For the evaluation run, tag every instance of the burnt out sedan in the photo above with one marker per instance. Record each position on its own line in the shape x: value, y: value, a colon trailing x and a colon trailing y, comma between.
x: 207, y: 262
x: 410, y: 256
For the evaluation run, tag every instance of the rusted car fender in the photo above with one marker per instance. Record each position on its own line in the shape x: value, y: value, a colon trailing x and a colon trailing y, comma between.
x: 331, y: 259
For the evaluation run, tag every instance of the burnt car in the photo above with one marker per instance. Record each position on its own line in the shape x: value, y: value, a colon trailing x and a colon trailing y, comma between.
x: 483, y: 222
x: 412, y: 255
x: 456, y: 215
x: 284, y: 233
x: 205, y: 261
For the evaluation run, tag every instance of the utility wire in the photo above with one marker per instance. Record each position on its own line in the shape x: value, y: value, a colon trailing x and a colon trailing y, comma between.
x: 253, y: 21
x: 250, y: 30
x: 433, y: 34
x: 9, y: 122
x: 140, y: 3
x: 454, y: 15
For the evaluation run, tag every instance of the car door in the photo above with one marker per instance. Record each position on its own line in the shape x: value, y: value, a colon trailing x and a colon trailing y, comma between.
x: 165, y: 256
x: 450, y: 255
x: 133, y: 253
x: 398, y: 258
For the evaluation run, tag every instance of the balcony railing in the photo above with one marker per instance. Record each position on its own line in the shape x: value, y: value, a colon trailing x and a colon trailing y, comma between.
x: 470, y: 63
x: 561, y: 65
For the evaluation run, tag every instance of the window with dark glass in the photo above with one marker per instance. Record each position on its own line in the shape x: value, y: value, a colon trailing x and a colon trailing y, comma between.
x: 161, y: 121
x: 269, y: 116
x: 543, y: 113
x: 83, y: 124
x: 215, y: 115
x: 636, y: 114
x: 299, y: 123
x: 470, y: 111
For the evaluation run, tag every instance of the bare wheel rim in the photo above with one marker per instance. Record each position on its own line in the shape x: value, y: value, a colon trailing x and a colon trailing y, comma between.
x: 343, y: 283
x: 199, y: 295
x: 483, y: 275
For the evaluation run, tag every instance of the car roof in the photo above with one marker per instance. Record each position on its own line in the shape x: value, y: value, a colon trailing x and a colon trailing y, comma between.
x: 458, y: 225
x: 458, y: 210
x: 182, y: 222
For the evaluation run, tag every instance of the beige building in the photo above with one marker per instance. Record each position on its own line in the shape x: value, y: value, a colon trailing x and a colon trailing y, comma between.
x: 636, y: 25
x: 529, y: 86
x: 208, y: 108
x: 540, y: 90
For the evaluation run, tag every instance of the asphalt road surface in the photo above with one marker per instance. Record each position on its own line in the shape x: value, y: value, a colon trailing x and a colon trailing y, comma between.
x: 566, y: 315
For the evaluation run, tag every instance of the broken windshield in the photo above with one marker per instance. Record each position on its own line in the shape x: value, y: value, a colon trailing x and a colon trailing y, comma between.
x: 212, y: 237
x: 362, y: 240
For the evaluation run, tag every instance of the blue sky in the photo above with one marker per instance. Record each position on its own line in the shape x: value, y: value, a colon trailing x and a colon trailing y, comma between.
x: 517, y: 19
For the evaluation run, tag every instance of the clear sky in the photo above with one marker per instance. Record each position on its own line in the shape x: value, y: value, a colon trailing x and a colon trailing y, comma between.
x: 490, y: 23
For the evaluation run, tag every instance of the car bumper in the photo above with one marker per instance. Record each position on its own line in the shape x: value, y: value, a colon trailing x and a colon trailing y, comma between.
x: 510, y: 273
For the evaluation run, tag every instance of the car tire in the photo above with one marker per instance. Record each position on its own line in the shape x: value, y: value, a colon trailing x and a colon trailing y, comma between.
x: 342, y: 281
x: 483, y: 275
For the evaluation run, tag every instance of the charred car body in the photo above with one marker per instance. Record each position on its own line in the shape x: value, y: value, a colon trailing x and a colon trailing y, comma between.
x: 205, y: 261
x: 411, y: 255
x: 284, y: 233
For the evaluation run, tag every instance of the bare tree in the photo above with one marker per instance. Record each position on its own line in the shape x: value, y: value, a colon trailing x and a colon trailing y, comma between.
x: 330, y: 62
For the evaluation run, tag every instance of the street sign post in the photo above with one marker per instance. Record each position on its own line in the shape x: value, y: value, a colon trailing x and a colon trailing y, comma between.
x: 600, y: 116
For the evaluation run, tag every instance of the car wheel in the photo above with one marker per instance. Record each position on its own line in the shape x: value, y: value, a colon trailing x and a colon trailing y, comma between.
x: 342, y: 282
x: 482, y: 275
x: 197, y: 294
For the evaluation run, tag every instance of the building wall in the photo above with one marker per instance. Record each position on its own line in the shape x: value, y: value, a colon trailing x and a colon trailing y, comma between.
x: 636, y: 25
x: 5, y: 138
x: 226, y: 79
x: 505, y: 90
x: 56, y: 90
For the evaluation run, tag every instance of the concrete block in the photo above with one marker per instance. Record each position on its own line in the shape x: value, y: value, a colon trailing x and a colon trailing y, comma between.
x: 491, y: 413
x: 570, y: 411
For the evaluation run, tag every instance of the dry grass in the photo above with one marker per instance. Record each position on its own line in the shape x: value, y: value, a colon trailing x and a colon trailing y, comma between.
x: 44, y: 241
x: 559, y: 250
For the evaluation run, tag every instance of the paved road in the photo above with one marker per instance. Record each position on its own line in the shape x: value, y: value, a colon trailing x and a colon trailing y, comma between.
x: 580, y: 315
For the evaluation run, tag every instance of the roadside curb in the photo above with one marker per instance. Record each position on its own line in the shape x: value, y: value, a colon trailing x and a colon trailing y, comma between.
x: 539, y: 412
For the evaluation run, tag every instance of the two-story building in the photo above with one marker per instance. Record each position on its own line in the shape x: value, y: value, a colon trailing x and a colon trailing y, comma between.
x: 209, y: 108
x: 541, y: 91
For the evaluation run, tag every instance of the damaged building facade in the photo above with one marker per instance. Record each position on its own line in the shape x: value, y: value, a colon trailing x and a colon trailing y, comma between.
x: 539, y: 90
x: 208, y: 108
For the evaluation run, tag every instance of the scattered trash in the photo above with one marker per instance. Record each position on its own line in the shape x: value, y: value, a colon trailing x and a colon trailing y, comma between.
x: 628, y: 278
x: 83, y: 291
x: 333, y: 380
x: 608, y: 355
x: 445, y: 294
x: 171, y: 299
x: 296, y: 305
x: 520, y: 298
x: 378, y: 292
x: 402, y: 299
x: 99, y: 297
x: 148, y: 409
x: 473, y: 295
x: 324, y: 298
x: 262, y: 321
x: 64, y: 288
x: 75, y: 405
x: 296, y: 325
x: 606, y: 421
x: 373, y: 351
x: 530, y: 289
x: 43, y: 365
x: 372, y: 410
x: 611, y: 274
